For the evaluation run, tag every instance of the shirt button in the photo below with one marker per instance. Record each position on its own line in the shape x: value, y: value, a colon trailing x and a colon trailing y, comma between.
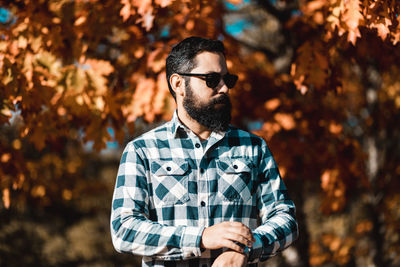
x: 203, y: 203
x: 201, y: 170
x: 235, y: 167
x: 169, y: 169
x: 197, y: 145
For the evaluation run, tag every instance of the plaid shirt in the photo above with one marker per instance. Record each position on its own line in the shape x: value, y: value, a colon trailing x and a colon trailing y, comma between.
x: 170, y: 186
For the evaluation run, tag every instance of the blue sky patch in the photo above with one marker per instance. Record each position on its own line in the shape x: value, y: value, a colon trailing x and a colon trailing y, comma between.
x: 5, y: 15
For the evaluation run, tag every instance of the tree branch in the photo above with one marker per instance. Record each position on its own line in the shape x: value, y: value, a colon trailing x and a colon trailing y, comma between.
x: 282, y: 15
x: 267, y: 52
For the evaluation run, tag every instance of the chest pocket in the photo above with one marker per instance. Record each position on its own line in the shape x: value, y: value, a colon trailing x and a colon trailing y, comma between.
x: 235, y: 179
x: 170, y: 181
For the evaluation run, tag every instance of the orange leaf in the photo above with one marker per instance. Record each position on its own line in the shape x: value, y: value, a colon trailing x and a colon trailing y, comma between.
x: 285, y: 120
x: 235, y: 2
x: 5, y: 157
x: 352, y: 17
x: 161, y: 95
x: 141, y: 100
x: 80, y: 21
x: 335, y: 128
x: 6, y: 197
x: 272, y: 104
x: 163, y: 3
x: 382, y: 28
x: 143, y: 6
x: 156, y: 60
x: 315, y: 5
x: 126, y: 10
x: 101, y: 67
x: 147, y: 20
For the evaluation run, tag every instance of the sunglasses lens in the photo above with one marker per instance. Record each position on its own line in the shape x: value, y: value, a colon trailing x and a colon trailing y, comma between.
x: 230, y: 80
x: 213, y: 79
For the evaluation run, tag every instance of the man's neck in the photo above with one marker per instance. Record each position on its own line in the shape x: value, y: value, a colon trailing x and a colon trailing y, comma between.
x: 200, y: 130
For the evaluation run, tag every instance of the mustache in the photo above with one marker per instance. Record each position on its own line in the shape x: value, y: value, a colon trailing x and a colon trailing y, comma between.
x: 223, y: 99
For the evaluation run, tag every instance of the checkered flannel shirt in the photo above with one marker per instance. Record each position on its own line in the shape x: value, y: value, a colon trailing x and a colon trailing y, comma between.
x: 170, y: 187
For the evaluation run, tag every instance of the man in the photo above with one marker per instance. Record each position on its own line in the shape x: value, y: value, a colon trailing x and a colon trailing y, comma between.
x: 197, y: 191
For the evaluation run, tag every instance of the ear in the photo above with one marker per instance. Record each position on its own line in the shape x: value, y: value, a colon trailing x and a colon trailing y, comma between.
x: 177, y: 84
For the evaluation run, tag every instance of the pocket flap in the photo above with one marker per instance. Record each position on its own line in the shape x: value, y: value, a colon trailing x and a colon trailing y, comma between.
x: 169, y: 167
x: 234, y: 165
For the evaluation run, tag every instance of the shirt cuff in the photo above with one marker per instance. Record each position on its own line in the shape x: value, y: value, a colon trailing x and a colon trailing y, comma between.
x: 191, y: 239
x: 255, y: 251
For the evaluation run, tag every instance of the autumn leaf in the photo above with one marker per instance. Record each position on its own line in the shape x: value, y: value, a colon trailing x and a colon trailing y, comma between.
x: 147, y: 19
x: 156, y: 60
x: 6, y: 198
x: 311, y: 68
x: 312, y: 6
x: 161, y: 96
x: 79, y: 21
x: 141, y: 101
x: 352, y: 17
x: 101, y: 67
x: 163, y: 3
x: 285, y: 120
x: 335, y: 128
x: 235, y: 2
x: 334, y: 188
x: 143, y: 6
x: 272, y: 104
x: 382, y: 28
x: 126, y: 10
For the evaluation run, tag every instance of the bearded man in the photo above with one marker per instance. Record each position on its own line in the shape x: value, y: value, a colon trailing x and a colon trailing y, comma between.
x: 196, y: 191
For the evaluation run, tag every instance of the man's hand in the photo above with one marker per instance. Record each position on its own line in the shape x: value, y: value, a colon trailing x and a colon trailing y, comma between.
x: 230, y: 259
x: 225, y: 234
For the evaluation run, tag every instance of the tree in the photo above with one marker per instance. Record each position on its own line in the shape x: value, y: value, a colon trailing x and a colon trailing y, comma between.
x: 323, y: 85
x: 343, y: 58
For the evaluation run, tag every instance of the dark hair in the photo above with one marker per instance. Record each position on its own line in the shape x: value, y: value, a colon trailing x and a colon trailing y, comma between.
x: 181, y: 57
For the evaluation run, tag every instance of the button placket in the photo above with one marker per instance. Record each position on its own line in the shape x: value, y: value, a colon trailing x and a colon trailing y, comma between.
x: 202, y: 193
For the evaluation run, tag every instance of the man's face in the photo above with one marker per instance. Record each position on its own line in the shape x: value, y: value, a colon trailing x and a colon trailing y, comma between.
x: 210, y: 107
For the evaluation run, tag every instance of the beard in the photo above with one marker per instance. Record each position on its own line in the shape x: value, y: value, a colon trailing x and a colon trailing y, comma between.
x: 215, y: 115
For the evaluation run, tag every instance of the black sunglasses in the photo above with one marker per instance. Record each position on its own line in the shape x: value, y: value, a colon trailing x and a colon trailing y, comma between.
x: 213, y: 78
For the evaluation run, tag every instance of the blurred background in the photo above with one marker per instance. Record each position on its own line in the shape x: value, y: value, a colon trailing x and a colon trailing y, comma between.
x: 319, y: 80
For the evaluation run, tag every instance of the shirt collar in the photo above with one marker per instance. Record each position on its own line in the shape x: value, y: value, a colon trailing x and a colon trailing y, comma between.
x: 176, y: 125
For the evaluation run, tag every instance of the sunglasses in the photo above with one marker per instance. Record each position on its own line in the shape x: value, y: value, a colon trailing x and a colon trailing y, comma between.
x: 213, y: 79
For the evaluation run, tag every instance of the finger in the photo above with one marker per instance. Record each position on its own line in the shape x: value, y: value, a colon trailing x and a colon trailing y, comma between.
x: 238, y: 238
x: 230, y: 244
x: 243, y: 231
x: 240, y: 225
x: 236, y: 224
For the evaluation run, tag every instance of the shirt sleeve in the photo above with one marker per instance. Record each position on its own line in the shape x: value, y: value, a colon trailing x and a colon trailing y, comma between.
x: 278, y: 227
x: 131, y: 229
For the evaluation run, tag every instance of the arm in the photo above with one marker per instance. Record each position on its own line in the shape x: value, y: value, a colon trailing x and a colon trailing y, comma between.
x: 278, y: 227
x: 131, y: 229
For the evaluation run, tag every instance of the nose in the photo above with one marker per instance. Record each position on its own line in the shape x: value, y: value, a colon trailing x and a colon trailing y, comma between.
x: 222, y: 88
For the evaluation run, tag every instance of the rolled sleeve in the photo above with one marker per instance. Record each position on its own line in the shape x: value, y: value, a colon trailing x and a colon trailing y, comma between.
x: 278, y: 227
x: 191, y: 241
x: 131, y: 229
